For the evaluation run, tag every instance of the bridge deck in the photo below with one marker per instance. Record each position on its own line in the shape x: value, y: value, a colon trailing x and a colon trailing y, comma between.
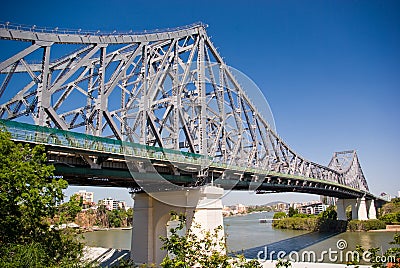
x: 235, y: 177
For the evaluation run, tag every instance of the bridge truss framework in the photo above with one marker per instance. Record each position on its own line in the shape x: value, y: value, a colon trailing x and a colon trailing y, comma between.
x: 169, y: 89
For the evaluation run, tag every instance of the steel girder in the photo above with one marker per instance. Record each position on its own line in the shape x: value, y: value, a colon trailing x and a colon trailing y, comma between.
x: 347, y: 163
x: 170, y: 89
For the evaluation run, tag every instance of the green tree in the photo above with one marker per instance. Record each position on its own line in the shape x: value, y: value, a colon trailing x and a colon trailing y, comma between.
x: 28, y: 196
x: 329, y: 214
x: 129, y: 217
x: 280, y: 215
x: 115, y: 217
x: 292, y: 212
x: 203, y: 250
x: 390, y: 212
x: 69, y: 210
x: 101, y: 216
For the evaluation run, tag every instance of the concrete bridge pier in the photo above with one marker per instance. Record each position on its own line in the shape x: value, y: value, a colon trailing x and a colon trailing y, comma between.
x: 201, y: 206
x: 362, y: 212
x: 341, y: 205
x: 361, y: 209
x: 371, y: 209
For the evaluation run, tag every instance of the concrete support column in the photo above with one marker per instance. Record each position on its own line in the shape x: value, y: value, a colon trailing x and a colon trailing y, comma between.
x: 341, y: 210
x: 342, y: 204
x: 143, y: 222
x: 354, y: 210
x: 371, y: 209
x: 202, y: 207
x: 362, y: 213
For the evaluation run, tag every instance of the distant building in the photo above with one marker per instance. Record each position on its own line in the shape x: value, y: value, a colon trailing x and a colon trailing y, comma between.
x: 386, y: 196
x: 107, y: 202
x: 241, y: 209
x: 226, y: 211
x: 314, y: 208
x: 122, y: 205
x: 112, y: 204
x: 233, y: 210
x: 328, y: 200
x: 281, y: 206
x: 86, y: 197
x: 296, y: 205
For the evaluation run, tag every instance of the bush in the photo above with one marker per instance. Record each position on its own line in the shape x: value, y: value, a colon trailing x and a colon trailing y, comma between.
x: 309, y: 224
x: 330, y: 213
x: 280, y: 215
x: 358, y: 225
x: 29, y: 255
x: 391, y: 218
x: 198, y: 249
x: 302, y: 215
x: 292, y: 212
x: 331, y: 226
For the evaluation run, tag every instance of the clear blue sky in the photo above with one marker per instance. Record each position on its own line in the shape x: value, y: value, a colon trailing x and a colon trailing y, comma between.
x: 330, y: 70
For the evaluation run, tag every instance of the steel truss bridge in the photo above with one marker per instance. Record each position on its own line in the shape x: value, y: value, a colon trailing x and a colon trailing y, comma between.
x: 163, y: 100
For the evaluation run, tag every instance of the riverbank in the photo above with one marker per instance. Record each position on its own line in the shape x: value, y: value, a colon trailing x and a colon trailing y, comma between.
x: 312, y: 224
x: 244, y: 214
x: 98, y: 229
x: 324, y: 222
x: 389, y: 228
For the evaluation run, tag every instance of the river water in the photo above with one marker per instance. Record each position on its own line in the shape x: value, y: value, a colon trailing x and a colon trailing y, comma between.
x: 245, y: 234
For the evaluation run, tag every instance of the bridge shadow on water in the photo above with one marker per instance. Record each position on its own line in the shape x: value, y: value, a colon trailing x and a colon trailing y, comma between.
x: 107, y: 257
x: 288, y: 245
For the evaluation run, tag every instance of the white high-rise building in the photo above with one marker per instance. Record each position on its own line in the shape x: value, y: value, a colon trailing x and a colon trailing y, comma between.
x: 112, y: 204
x: 86, y: 196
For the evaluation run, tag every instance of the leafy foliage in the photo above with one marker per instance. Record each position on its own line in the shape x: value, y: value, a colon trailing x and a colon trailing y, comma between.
x: 359, y: 225
x: 294, y: 223
x: 116, y: 217
x: 69, y: 210
x: 329, y: 223
x: 303, y: 215
x: 112, y: 219
x: 390, y: 212
x: 391, y: 218
x: 28, y: 197
x: 280, y: 215
x: 324, y: 222
x: 198, y: 248
x: 292, y: 212
x: 329, y: 214
x: 283, y: 263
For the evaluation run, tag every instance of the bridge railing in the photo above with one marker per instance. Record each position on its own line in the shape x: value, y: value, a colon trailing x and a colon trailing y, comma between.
x: 57, y: 30
x: 73, y: 140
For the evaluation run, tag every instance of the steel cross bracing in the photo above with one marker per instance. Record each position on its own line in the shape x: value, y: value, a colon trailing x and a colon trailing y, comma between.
x: 169, y: 89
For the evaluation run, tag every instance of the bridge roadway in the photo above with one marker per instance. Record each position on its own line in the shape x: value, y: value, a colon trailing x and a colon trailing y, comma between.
x: 65, y: 150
